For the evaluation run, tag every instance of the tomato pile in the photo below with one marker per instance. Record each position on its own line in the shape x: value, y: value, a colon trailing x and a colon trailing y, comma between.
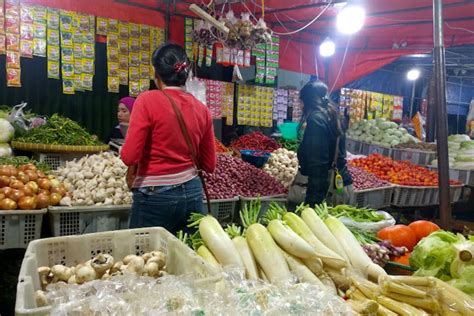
x: 398, y: 172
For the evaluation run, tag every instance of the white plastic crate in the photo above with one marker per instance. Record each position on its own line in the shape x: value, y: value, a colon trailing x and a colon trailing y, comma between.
x: 376, y: 198
x: 405, y: 196
x: 418, y: 157
x: 19, y: 227
x: 56, y: 160
x: 72, y: 250
x: 465, y: 176
x: 78, y: 220
x: 223, y: 210
x: 265, y: 202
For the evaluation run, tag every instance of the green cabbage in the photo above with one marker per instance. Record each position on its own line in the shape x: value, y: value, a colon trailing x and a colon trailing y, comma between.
x: 465, y: 282
x: 468, y: 145
x: 6, y: 131
x: 5, y: 150
x: 464, y: 158
x: 434, y: 254
x: 458, y: 138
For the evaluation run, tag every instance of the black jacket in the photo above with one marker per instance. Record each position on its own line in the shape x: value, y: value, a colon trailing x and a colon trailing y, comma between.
x: 316, y: 151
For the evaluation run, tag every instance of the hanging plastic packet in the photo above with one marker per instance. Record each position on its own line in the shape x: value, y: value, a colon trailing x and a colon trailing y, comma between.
x: 196, y: 87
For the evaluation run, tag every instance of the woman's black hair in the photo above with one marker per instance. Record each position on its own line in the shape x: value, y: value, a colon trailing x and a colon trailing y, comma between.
x: 314, y: 96
x: 171, y: 64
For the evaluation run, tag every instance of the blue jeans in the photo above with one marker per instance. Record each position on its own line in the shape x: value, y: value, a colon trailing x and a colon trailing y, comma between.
x: 166, y: 206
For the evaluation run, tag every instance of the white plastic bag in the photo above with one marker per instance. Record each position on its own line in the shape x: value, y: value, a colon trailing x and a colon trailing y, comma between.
x: 370, y: 226
x: 196, y: 87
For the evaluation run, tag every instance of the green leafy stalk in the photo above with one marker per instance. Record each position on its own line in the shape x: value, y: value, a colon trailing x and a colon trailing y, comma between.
x: 364, y: 237
x: 301, y: 207
x: 195, y: 219
x: 249, y: 214
x: 233, y: 230
x: 195, y: 241
x: 322, y: 210
x: 184, y: 237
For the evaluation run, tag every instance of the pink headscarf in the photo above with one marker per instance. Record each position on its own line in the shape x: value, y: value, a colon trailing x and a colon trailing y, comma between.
x: 128, y: 102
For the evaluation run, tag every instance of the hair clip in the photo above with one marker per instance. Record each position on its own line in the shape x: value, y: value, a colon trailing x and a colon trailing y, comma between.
x: 179, y: 66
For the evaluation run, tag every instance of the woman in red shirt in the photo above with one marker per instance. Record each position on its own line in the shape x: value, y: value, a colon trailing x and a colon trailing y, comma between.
x: 167, y: 188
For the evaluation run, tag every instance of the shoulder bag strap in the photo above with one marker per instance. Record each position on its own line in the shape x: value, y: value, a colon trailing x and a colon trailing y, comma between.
x: 187, y: 138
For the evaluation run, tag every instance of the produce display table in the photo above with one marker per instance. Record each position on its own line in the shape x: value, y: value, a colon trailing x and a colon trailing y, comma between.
x: 19, y: 227
x: 71, y: 250
x: 465, y: 176
x: 376, y: 198
x: 409, y: 196
x: 416, y: 156
x: 77, y: 220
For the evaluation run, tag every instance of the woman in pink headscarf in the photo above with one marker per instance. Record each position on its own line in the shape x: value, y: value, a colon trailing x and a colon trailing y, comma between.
x: 124, y: 110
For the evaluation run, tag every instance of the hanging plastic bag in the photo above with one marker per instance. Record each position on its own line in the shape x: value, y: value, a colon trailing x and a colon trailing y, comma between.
x: 18, y: 120
x: 196, y: 87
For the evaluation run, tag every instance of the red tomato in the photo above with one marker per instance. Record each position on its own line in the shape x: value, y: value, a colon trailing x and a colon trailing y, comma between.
x: 423, y: 228
x: 399, y: 235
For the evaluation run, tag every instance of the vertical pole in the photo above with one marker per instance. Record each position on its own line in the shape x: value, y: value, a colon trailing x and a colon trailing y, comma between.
x: 327, y: 64
x: 412, y: 101
x: 167, y: 20
x: 431, y: 120
x: 441, y: 115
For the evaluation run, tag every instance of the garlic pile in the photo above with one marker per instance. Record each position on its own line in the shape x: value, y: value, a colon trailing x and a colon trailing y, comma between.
x: 101, y: 267
x: 96, y: 180
x: 283, y: 166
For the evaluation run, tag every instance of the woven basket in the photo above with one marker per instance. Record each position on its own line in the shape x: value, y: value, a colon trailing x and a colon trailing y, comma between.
x: 58, y: 148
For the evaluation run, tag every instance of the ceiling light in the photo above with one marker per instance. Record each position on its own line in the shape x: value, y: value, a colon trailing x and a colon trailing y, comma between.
x: 413, y: 74
x: 327, y: 48
x: 350, y: 19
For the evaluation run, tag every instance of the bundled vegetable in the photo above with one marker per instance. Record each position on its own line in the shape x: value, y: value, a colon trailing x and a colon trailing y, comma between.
x: 283, y: 166
x: 59, y: 130
x: 356, y: 214
x: 398, y: 172
x: 234, y: 177
x: 363, y: 180
x: 380, y: 132
x: 27, y: 188
x: 255, y: 141
x: 96, y: 180
x: 383, y: 251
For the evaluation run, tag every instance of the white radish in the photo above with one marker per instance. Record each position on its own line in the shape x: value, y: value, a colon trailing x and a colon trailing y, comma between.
x: 204, y: 252
x: 268, y: 255
x: 218, y: 242
x: 289, y: 240
x: 302, y: 272
x: 247, y: 257
x: 322, y: 232
x: 328, y: 256
x: 359, y: 259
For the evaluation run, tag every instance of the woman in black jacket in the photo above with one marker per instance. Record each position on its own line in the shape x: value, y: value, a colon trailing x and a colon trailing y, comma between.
x: 322, y: 128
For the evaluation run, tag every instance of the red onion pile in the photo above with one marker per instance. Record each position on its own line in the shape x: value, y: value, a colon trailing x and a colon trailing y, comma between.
x: 362, y: 180
x: 234, y: 177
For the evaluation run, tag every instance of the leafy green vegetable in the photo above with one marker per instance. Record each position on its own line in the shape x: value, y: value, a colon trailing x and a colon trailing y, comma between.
x: 60, y: 131
x: 356, y: 214
x: 465, y: 282
x: 434, y: 254
x: 22, y: 160
x: 6, y: 131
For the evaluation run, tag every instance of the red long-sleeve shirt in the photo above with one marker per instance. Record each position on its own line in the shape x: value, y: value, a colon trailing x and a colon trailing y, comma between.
x: 155, y: 142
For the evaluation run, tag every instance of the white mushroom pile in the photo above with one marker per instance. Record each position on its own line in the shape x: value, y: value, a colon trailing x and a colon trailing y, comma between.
x: 282, y: 165
x: 101, y: 267
x: 96, y: 180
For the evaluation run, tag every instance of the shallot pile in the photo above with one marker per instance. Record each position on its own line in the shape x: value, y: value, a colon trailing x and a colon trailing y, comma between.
x: 96, y: 180
x: 381, y: 252
x: 362, y: 180
x: 234, y: 177
x: 283, y: 166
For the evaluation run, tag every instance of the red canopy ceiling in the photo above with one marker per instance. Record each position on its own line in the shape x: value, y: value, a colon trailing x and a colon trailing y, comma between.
x: 406, y: 23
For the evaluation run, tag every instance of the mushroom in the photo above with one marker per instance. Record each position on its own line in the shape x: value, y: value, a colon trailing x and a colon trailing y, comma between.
x: 158, y: 257
x: 43, y: 276
x: 101, y: 263
x: 62, y: 273
x: 127, y: 259
x: 85, y: 273
x: 136, y: 265
x: 151, y: 269
x: 41, y: 299
x: 147, y: 256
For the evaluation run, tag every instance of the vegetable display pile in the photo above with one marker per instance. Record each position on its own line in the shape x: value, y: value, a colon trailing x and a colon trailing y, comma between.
x: 448, y: 257
x: 398, y: 172
x: 234, y: 177
x: 289, y: 144
x: 419, y: 146
x: 354, y: 213
x: 255, y: 141
x: 380, y: 132
x: 461, y: 152
x: 59, y: 130
x: 101, y: 267
x: 17, y: 161
x: 27, y: 188
x: 363, y: 180
x: 6, y: 134
x: 96, y: 180
x: 283, y: 166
